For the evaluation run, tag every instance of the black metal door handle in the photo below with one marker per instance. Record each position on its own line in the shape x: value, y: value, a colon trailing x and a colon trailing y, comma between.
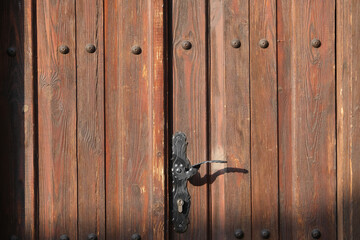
x: 181, y: 172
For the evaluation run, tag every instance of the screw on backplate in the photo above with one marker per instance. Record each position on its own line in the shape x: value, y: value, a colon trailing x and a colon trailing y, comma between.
x: 11, y: 52
x: 316, y: 234
x: 136, y: 50
x: 64, y: 49
x: 136, y: 236
x: 265, y: 233
x: 263, y: 43
x: 92, y: 236
x: 64, y: 237
x: 235, y: 43
x: 186, y: 45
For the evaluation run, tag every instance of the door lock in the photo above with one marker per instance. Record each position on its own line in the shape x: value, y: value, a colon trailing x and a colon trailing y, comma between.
x: 181, y: 172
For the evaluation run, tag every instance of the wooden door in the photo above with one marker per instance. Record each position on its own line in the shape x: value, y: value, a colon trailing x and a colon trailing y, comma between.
x: 93, y: 90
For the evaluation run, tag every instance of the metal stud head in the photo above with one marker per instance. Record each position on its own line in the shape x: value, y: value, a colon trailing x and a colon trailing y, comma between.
x: 316, y: 234
x: 239, y: 234
x: 136, y: 50
x: 64, y: 237
x: 90, y: 48
x: 63, y: 49
x: 186, y: 45
x: 92, y: 236
x: 11, y: 52
x: 263, y: 43
x: 136, y: 236
x: 265, y: 234
x: 235, y: 43
x: 316, y: 43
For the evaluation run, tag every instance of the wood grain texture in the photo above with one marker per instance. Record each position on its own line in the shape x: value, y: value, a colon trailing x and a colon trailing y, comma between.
x: 14, y: 131
x: 189, y: 103
x: 90, y: 119
x: 134, y: 90
x: 57, y: 119
x: 307, y: 140
x: 229, y: 119
x: 263, y: 93
x: 348, y: 118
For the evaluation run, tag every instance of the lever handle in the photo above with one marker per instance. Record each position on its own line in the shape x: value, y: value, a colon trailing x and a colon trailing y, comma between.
x: 181, y: 172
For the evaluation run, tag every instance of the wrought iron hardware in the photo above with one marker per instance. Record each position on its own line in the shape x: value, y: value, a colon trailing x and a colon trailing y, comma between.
x: 181, y: 172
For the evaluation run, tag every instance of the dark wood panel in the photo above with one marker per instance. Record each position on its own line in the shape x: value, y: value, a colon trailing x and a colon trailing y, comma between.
x: 229, y: 119
x: 90, y: 118
x: 14, y: 120
x: 348, y: 118
x: 135, y: 177
x: 264, y: 148
x: 57, y: 119
x: 189, y: 103
x: 307, y: 118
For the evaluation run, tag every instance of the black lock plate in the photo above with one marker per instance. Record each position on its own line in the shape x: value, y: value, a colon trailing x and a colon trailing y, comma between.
x: 181, y: 172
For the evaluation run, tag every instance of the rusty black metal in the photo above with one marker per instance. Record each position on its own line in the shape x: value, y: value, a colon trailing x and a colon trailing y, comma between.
x: 136, y: 236
x: 11, y: 52
x: 316, y: 234
x: 239, y: 234
x: 316, y: 43
x: 263, y: 43
x: 265, y: 234
x: 235, y: 43
x: 136, y: 50
x: 90, y: 48
x: 63, y: 49
x: 181, y: 172
x: 64, y: 237
x: 92, y: 236
x: 186, y: 45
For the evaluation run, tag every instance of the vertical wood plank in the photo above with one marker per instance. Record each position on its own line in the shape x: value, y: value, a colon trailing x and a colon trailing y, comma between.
x: 189, y: 103
x: 348, y: 118
x: 134, y: 90
x: 229, y: 119
x: 14, y: 119
x: 307, y: 118
x: 90, y: 119
x: 264, y: 148
x: 57, y: 119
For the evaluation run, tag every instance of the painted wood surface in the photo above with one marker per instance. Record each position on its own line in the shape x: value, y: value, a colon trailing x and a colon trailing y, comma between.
x: 229, y: 119
x: 348, y: 118
x: 134, y: 113
x: 90, y: 119
x: 263, y: 104
x: 57, y: 119
x: 189, y: 110
x: 307, y: 140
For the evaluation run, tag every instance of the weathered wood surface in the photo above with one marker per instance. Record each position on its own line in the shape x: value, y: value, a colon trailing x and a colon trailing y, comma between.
x: 134, y: 113
x: 263, y: 98
x: 307, y: 118
x: 229, y: 119
x: 57, y: 119
x: 348, y: 118
x: 189, y: 104
x: 90, y: 119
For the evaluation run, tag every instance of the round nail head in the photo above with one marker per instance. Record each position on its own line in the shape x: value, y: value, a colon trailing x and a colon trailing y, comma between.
x: 136, y: 50
x: 136, y: 236
x: 90, y: 48
x: 235, y: 43
x: 265, y: 234
x: 316, y: 43
x: 63, y: 49
x: 64, y: 237
x: 316, y: 234
x: 186, y: 45
x: 92, y: 236
x: 239, y: 234
x: 263, y: 43
x: 11, y: 52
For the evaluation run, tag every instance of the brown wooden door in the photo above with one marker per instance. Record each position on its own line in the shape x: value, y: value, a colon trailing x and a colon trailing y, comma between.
x: 91, y: 92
